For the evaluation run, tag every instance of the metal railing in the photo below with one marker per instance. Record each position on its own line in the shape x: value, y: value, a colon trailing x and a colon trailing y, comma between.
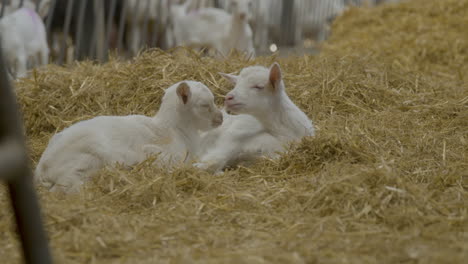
x: 97, y: 26
x: 15, y: 170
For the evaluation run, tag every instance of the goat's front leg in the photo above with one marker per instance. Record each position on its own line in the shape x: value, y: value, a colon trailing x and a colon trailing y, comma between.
x: 162, y: 157
x: 216, y: 159
x: 21, y: 66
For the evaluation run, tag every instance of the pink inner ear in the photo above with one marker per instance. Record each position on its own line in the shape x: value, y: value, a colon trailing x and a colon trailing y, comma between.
x: 184, y: 98
x: 184, y: 92
x: 275, y: 75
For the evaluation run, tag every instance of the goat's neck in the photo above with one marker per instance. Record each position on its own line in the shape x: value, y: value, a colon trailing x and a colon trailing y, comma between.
x: 237, y: 27
x: 181, y: 125
x: 288, y: 122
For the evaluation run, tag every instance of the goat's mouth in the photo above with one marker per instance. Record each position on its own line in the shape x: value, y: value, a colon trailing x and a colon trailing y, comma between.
x: 234, y: 107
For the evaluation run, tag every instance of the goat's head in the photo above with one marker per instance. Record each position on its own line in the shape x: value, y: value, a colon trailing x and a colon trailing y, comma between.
x: 256, y: 90
x: 242, y: 9
x: 195, y: 102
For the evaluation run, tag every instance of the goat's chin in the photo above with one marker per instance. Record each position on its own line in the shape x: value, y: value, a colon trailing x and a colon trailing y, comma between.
x: 235, y: 108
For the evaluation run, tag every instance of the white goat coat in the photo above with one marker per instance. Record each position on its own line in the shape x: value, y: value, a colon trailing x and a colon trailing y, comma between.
x: 13, y: 5
x: 243, y: 138
x: 238, y: 141
x: 23, y: 37
x: 79, y: 151
x: 211, y: 27
x: 82, y: 149
x: 202, y: 27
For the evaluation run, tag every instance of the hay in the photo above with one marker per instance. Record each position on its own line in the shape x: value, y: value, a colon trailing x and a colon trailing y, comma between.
x: 384, y: 181
x: 427, y: 36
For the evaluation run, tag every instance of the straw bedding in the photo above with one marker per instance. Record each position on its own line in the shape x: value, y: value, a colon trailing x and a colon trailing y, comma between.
x: 384, y: 180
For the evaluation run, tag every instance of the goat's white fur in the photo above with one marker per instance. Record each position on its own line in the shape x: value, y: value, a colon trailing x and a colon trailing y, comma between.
x: 23, y: 38
x: 13, y: 5
x: 79, y: 151
x: 213, y: 27
x: 267, y: 121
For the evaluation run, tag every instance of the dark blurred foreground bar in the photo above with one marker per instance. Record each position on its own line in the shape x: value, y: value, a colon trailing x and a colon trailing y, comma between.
x: 15, y: 170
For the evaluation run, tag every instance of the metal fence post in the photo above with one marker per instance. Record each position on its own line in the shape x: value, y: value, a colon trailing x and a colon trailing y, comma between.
x: 14, y: 168
x: 288, y: 24
x: 2, y: 10
x: 99, y: 33
x: 66, y: 30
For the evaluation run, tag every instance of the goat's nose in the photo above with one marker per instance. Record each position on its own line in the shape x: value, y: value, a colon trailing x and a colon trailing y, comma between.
x: 242, y: 15
x: 229, y: 97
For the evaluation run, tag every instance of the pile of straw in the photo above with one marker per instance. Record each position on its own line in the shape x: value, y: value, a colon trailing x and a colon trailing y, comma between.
x: 385, y: 180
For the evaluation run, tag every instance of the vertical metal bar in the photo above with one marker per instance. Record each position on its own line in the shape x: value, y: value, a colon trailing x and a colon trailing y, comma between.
x: 79, y: 30
x: 99, y: 32
x: 92, y: 47
x: 296, y: 22
x: 318, y: 13
x: 87, y: 36
x: 157, y: 21
x: 324, y: 11
x: 21, y: 190
x: 38, y: 3
x: 50, y: 16
x: 28, y: 218
x: 2, y: 11
x: 21, y: 3
x: 123, y: 18
x: 66, y: 30
x: 287, y: 25
x: 110, y: 22
x: 134, y: 23
x: 145, y: 24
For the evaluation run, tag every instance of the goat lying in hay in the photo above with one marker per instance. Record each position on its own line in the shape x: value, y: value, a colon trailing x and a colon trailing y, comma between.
x: 79, y: 151
x: 268, y: 120
x: 384, y: 179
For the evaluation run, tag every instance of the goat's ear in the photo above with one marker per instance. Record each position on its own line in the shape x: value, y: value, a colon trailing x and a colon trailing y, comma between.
x: 183, y: 91
x: 230, y: 77
x: 275, y: 76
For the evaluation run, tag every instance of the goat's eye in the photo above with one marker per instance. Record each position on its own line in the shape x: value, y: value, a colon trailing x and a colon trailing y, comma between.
x: 205, y: 106
x: 259, y: 87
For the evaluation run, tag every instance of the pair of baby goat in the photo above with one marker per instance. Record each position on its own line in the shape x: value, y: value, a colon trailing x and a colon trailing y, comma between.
x: 187, y: 128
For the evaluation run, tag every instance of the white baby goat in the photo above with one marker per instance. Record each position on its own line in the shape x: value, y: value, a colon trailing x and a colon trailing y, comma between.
x: 267, y: 120
x: 239, y: 35
x: 23, y: 37
x: 79, y: 151
x: 213, y: 27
